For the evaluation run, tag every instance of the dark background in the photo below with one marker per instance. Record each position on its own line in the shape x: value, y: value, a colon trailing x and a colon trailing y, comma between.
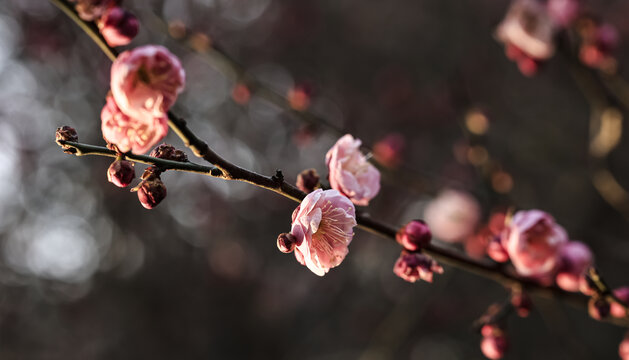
x: 87, y: 273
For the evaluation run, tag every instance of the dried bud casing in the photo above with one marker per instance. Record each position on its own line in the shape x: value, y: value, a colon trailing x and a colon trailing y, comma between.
x: 151, y: 192
x: 169, y: 152
x: 121, y: 173
x: 286, y: 242
x: 118, y: 26
x: 308, y: 180
x: 66, y: 133
x: 414, y: 235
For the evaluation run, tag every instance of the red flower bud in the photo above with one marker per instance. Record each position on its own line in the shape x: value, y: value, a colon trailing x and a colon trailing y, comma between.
x: 414, y: 266
x: 308, y: 180
x: 151, y: 192
x: 494, y: 347
x: 121, y: 173
x: 286, y: 242
x: 414, y: 235
x: 168, y: 152
x: 617, y: 310
x: 118, y: 26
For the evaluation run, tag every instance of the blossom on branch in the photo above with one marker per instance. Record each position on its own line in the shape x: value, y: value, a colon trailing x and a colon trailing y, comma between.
x: 415, y: 266
x: 533, y: 241
x: 350, y: 172
x: 576, y: 258
x: 453, y: 215
x: 138, y: 135
x: 146, y: 81
x: 323, y: 228
x: 118, y: 26
x: 121, y: 173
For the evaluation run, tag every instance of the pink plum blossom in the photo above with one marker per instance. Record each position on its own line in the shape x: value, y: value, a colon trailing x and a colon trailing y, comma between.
x: 563, y: 12
x: 623, y: 348
x: 138, y: 135
x: 350, y: 172
x: 617, y: 310
x: 528, y: 26
x: 323, y: 228
x: 415, y: 266
x: 146, y: 81
x: 414, y: 235
x: 533, y: 241
x: 494, y: 344
x: 576, y: 258
x: 453, y: 215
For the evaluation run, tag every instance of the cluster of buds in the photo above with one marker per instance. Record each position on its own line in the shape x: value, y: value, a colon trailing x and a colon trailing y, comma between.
x: 413, y: 265
x: 598, y: 44
x: 117, y: 25
x: 494, y: 344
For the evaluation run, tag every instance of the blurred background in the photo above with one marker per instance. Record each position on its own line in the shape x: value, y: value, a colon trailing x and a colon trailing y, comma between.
x: 87, y: 273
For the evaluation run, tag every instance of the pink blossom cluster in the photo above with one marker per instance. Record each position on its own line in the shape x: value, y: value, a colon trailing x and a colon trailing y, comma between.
x: 145, y: 83
x: 598, y: 44
x: 494, y: 342
x: 117, y: 25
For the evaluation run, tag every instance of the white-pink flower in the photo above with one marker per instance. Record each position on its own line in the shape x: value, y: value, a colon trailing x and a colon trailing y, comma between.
x: 528, y: 27
x: 146, y: 81
x: 137, y: 135
x: 453, y: 215
x: 533, y: 241
x: 350, y: 172
x: 323, y: 228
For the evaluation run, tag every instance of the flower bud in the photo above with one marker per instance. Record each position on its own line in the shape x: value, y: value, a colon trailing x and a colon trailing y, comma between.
x: 623, y: 348
x: 496, y: 251
x: 151, y: 192
x: 495, y: 346
x: 414, y: 236
x: 286, y: 242
x: 598, y: 308
x: 168, y: 152
x: 414, y: 266
x: 575, y: 259
x: 90, y: 10
x: 308, y: 180
x: 617, y: 310
x: 299, y: 97
x: 389, y: 150
x: 118, y: 26
x: 121, y: 173
x: 66, y: 133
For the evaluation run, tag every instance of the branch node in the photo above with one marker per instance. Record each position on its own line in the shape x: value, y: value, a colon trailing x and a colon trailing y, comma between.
x: 278, y: 178
x: 216, y: 172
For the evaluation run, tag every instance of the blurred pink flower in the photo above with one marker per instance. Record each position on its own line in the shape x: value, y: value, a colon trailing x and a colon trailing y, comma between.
x: 533, y: 241
x: 623, y: 348
x: 131, y: 134
x: 323, y: 227
x: 453, y: 215
x: 145, y: 81
x: 617, y: 310
x: 389, y: 150
x: 494, y: 344
x: 118, y: 26
x: 575, y: 258
x: 563, y: 12
x: 414, y: 235
x: 415, y: 266
x: 528, y: 27
x: 350, y: 172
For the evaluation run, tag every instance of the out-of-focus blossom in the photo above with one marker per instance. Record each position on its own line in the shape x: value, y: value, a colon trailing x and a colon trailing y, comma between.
x: 623, y: 348
x: 494, y: 344
x: 323, y: 227
x: 598, y: 43
x: 169, y: 152
x: 527, y: 32
x: 617, y: 310
x: 121, y: 173
x: 415, y: 266
x: 118, y: 26
x: 598, y: 308
x: 146, y: 81
x: 90, y: 10
x: 389, y: 150
x: 575, y: 259
x: 487, y: 240
x: 350, y: 172
x: 241, y: 94
x: 533, y: 241
x: 308, y: 180
x: 563, y: 12
x: 414, y: 236
x: 151, y: 191
x: 521, y: 303
x: 452, y: 215
x: 138, y: 135
x: 299, y: 97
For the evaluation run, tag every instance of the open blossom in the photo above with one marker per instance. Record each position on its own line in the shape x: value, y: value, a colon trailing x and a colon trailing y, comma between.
x: 138, y: 135
x: 452, y: 216
x: 533, y: 241
x: 146, y: 81
x: 415, y: 266
x: 575, y: 259
x: 323, y: 228
x: 350, y: 172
